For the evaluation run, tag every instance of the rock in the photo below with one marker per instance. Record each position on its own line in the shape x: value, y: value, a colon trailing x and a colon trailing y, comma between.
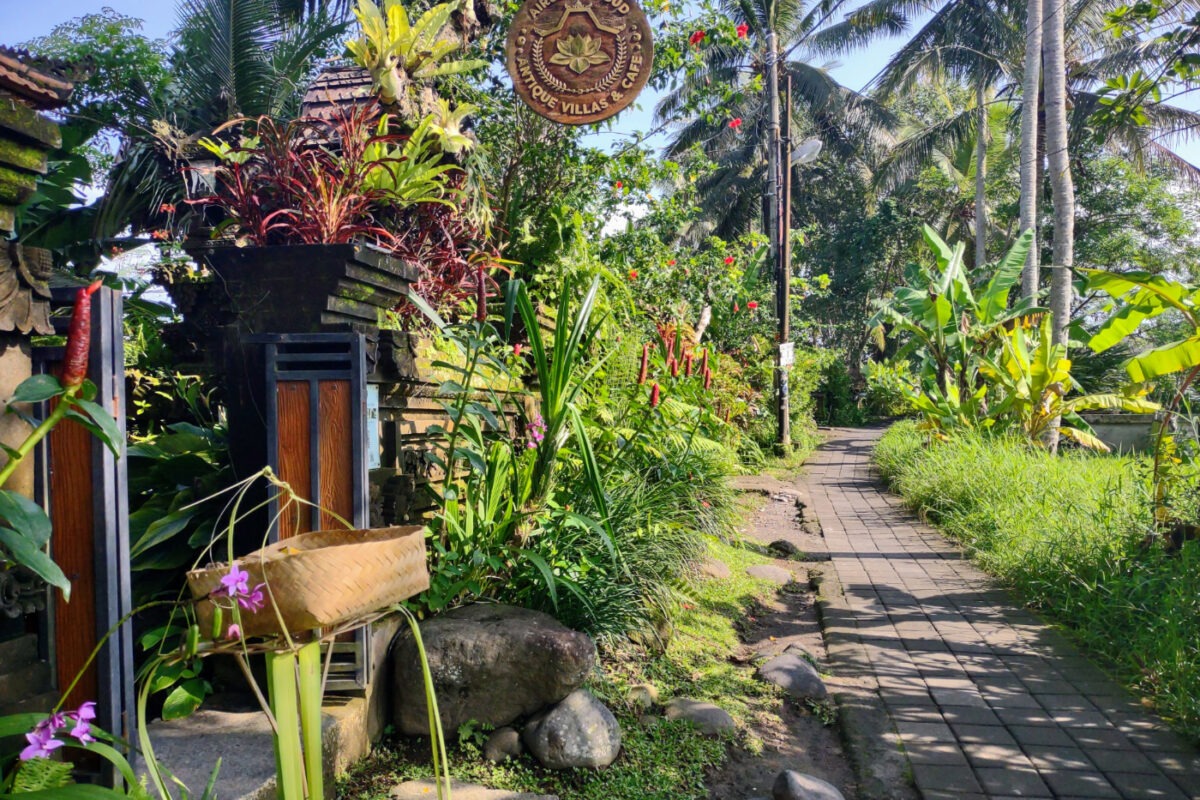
x: 503, y: 744
x: 770, y: 572
x: 491, y: 664
x: 792, y: 785
x: 578, y: 732
x: 709, y: 719
x: 792, y: 673
x: 643, y: 695
x: 799, y: 650
x: 713, y: 568
x: 785, y: 548
x: 427, y: 790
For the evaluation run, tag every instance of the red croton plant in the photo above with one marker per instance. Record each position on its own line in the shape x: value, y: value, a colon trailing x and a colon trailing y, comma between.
x: 352, y: 178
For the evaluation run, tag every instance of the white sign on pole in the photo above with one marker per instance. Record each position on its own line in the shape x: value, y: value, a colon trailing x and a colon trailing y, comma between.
x: 787, y: 354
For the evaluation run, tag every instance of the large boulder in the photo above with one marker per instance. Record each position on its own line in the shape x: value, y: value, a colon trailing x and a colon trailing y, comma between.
x: 792, y: 785
x: 791, y: 672
x: 578, y: 732
x: 490, y: 663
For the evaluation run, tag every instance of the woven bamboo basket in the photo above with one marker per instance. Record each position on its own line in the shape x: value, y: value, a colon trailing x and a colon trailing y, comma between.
x: 322, y: 579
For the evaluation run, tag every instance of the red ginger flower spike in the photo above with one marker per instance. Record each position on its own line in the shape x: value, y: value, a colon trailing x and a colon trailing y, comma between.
x: 735, y: 123
x: 674, y: 365
x: 79, y: 337
x: 697, y: 37
x: 707, y: 378
x: 687, y: 365
x: 655, y: 396
x: 742, y: 30
x: 752, y: 305
x: 645, y: 368
x: 736, y: 307
x: 704, y: 362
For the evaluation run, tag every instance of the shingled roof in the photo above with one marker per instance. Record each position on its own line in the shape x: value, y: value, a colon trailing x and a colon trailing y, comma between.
x: 337, y: 89
x: 40, y: 83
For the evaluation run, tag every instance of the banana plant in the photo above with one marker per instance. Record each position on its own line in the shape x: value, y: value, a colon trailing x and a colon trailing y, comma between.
x: 1140, y: 296
x: 400, y: 53
x: 1034, y: 386
x: 952, y: 324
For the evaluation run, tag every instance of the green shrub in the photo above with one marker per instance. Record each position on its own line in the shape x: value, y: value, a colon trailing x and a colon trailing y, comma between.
x: 1068, y: 533
x: 888, y: 385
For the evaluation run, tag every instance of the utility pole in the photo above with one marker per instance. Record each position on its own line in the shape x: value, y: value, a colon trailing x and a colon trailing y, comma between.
x: 783, y: 441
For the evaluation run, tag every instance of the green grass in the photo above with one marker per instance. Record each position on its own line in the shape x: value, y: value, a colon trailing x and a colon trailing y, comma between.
x: 1068, y: 534
x: 661, y: 761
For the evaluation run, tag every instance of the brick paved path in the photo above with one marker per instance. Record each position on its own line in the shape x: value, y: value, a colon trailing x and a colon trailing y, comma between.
x: 988, y: 701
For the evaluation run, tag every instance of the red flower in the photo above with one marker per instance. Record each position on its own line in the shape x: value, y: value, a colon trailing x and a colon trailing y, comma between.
x: 480, y: 296
x: 687, y: 365
x: 728, y: 260
x: 618, y: 186
x: 79, y: 337
x: 160, y: 236
x: 708, y: 381
x: 674, y: 365
x: 655, y: 396
x: 742, y: 30
x: 167, y: 208
x: 735, y: 123
x: 752, y: 305
x: 517, y: 349
x: 645, y: 367
x: 671, y: 263
x: 736, y: 307
x: 633, y: 274
x: 696, y: 38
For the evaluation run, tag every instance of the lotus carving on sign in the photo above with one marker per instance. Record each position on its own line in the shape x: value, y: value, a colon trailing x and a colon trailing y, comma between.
x: 579, y: 53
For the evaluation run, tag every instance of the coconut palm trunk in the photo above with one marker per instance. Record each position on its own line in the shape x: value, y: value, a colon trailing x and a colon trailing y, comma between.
x: 981, y: 146
x: 1061, y: 186
x: 1030, y: 186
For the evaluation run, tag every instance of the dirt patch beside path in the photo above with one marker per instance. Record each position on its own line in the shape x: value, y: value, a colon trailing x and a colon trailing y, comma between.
x: 801, y: 737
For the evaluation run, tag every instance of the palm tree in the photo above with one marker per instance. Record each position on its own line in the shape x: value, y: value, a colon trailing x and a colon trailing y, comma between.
x: 1030, y: 86
x: 232, y: 58
x: 984, y: 44
x: 849, y: 124
x: 1054, y: 79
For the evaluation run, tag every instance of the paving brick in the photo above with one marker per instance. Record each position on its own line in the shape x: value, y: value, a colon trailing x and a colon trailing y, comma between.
x: 1019, y: 782
x: 990, y: 703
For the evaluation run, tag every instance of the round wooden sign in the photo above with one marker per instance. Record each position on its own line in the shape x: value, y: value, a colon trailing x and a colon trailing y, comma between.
x: 579, y: 61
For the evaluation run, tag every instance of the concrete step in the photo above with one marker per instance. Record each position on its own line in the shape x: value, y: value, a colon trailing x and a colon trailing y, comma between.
x: 25, y: 681
x: 31, y: 704
x: 18, y: 652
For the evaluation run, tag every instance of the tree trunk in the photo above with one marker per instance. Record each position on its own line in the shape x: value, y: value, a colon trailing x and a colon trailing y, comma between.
x: 981, y: 145
x: 1059, y: 164
x: 1029, y: 142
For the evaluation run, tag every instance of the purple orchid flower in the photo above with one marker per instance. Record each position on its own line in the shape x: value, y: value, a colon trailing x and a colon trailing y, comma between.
x: 234, y: 631
x: 51, y: 723
x: 237, y: 582
x: 41, y: 744
x: 86, y: 712
x: 83, y: 732
x: 253, y: 600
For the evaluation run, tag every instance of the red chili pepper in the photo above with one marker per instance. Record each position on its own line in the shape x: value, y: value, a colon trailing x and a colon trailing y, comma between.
x: 79, y: 337
x: 645, y: 369
x: 480, y: 297
x: 654, y: 396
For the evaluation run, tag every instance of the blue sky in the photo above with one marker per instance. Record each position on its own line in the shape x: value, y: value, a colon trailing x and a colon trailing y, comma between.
x: 27, y: 18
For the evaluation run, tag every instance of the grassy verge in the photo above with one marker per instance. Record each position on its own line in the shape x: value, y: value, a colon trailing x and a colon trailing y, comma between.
x: 1068, y: 534
x: 663, y: 760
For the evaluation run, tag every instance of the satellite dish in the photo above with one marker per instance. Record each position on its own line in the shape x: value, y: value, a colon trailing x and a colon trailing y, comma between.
x: 806, y: 152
